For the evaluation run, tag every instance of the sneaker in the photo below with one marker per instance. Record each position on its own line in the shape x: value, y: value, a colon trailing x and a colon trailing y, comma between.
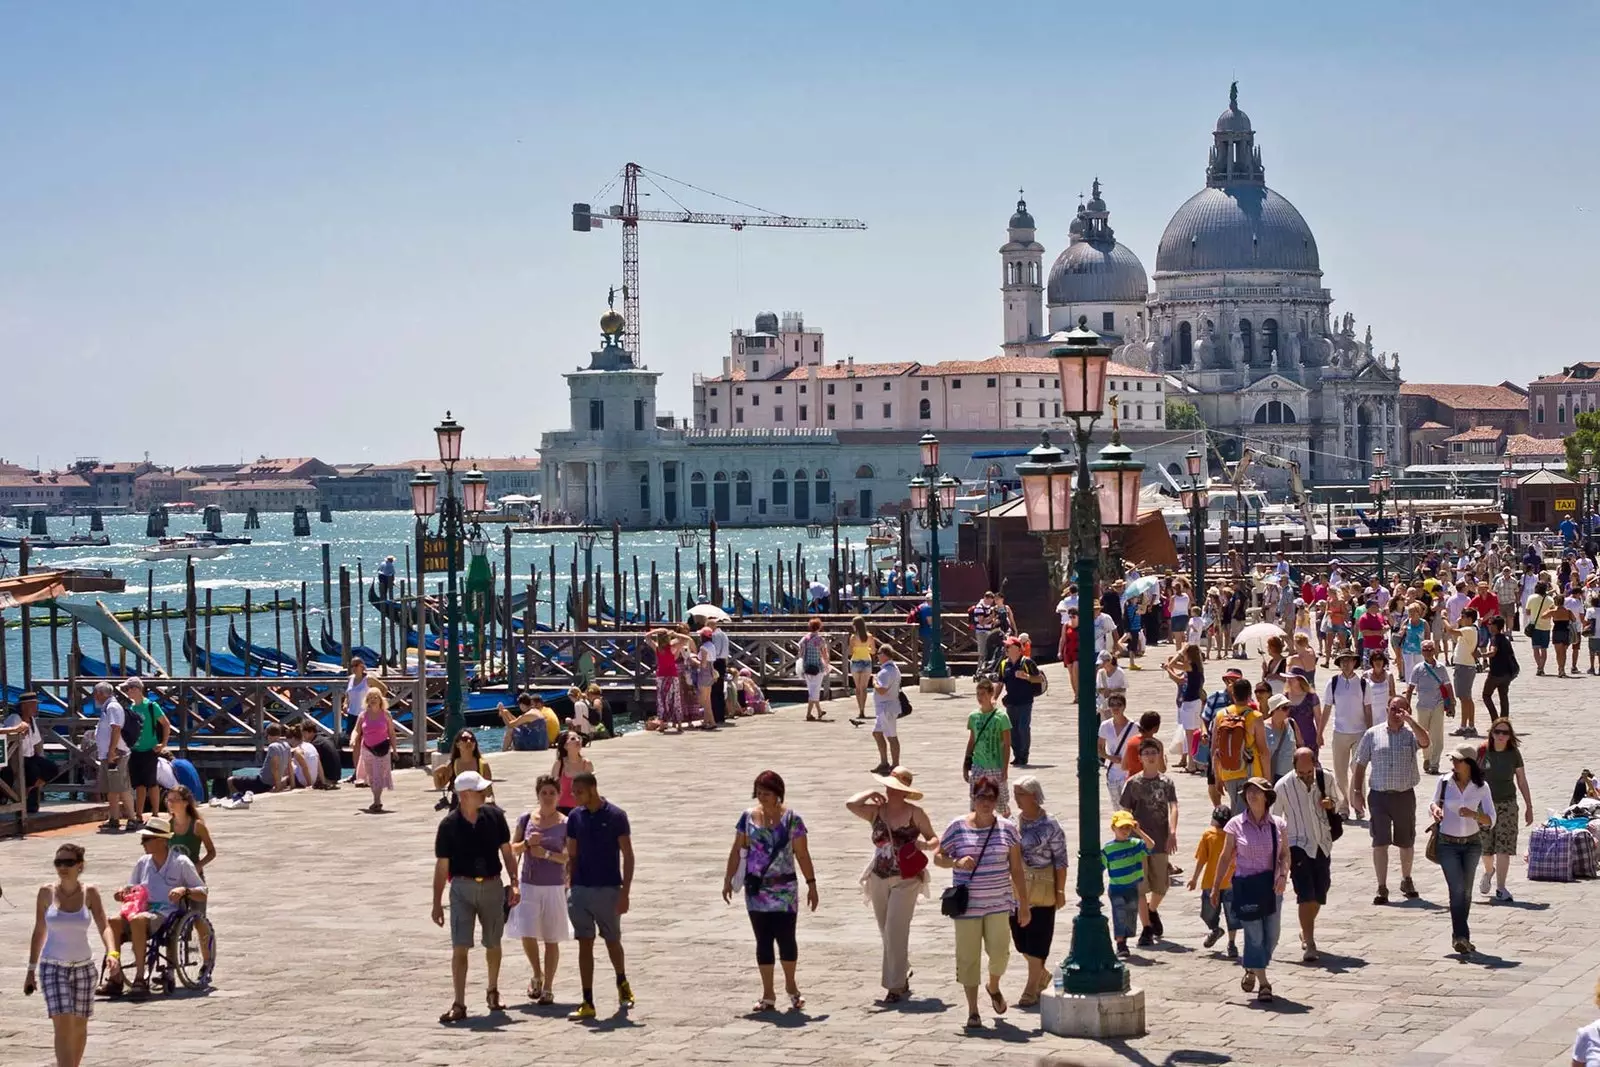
x: 1233, y: 951
x: 1408, y: 889
x: 584, y: 1012
x: 1382, y: 896
x: 1122, y: 948
x: 1213, y: 937
x: 1501, y: 896
x: 135, y: 824
x: 1485, y: 880
x: 1155, y: 925
x: 1460, y: 944
x: 625, y: 994
x: 247, y: 799
x: 1146, y: 938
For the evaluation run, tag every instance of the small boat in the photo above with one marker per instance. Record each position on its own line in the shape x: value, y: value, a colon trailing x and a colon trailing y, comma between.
x: 210, y: 538
x: 46, y: 541
x: 882, y: 533
x: 179, y: 548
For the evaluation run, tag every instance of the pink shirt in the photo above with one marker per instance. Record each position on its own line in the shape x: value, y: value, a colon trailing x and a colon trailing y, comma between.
x: 1252, y: 842
x: 374, y: 728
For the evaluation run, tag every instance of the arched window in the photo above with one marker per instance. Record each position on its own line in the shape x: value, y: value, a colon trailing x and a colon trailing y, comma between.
x: 780, y: 489
x: 697, y: 490
x: 741, y: 489
x: 1269, y: 338
x: 1247, y: 341
x: 1274, y: 412
x: 924, y: 409
x: 823, y: 491
x: 1033, y: 273
x: 1185, y: 345
x: 644, y: 492
x: 864, y: 471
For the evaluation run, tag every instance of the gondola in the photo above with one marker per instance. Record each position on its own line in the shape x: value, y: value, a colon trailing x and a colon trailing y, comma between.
x: 334, y: 648
x: 47, y: 542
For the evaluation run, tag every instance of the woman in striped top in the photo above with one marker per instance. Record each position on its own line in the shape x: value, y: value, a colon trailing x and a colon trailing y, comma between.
x: 985, y: 851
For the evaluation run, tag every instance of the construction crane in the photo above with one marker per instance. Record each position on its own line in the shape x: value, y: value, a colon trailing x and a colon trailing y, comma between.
x: 585, y: 218
x: 1298, y: 497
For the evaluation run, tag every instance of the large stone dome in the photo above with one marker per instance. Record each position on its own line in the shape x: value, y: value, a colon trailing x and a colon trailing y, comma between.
x: 1097, y: 272
x: 1237, y: 227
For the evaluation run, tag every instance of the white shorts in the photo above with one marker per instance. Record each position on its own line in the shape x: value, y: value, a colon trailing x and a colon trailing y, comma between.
x: 540, y: 914
x: 885, y: 720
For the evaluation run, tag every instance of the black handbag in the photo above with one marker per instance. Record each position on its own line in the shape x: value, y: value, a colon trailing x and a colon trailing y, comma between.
x: 1254, y: 895
x: 953, y: 901
x: 380, y: 749
x: 1335, y: 820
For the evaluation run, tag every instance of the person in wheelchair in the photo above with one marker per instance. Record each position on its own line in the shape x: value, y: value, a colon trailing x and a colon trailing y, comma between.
x: 171, y: 883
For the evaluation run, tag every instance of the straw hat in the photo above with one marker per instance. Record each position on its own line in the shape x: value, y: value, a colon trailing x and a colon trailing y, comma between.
x: 157, y: 826
x: 899, y: 779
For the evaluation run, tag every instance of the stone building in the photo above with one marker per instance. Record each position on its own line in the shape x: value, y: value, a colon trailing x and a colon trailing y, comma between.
x: 1554, y: 400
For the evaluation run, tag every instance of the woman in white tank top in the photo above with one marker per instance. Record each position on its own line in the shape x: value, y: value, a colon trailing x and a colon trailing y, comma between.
x: 60, y: 959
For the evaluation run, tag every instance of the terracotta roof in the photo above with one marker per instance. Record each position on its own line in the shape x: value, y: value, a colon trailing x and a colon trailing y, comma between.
x: 1477, y: 433
x: 1478, y: 397
x: 1525, y: 446
x: 52, y: 478
x: 1431, y: 425
x: 504, y: 463
x: 1592, y: 372
x: 268, y: 485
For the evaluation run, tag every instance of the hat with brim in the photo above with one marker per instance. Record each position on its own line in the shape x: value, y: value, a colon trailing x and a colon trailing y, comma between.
x: 1350, y: 655
x: 1123, y: 818
x: 158, y: 826
x: 899, y: 779
x: 1465, y: 751
x: 1279, y: 701
x: 1265, y: 787
x: 472, y: 782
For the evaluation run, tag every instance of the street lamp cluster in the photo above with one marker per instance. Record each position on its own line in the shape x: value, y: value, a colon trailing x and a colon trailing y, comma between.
x: 1589, y: 480
x: 1195, y: 497
x: 1380, y: 485
x: 1104, y: 497
x: 933, y: 501
x: 1508, y: 492
x: 452, y: 517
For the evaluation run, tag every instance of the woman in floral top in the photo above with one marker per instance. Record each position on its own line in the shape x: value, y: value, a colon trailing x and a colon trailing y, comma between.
x: 1044, y: 869
x: 773, y: 839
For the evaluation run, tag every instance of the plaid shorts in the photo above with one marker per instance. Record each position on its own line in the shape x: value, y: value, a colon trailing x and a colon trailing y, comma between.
x: 68, y: 988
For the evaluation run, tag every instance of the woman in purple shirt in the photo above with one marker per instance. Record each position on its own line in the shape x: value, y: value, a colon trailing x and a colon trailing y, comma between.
x: 1257, y: 845
x: 541, y: 915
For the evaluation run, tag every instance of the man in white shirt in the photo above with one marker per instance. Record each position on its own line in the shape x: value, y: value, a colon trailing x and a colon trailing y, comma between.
x: 1068, y: 601
x: 1304, y: 801
x: 171, y: 880
x: 307, y: 765
x: 1453, y: 604
x: 22, y: 727
x: 111, y: 751
x: 886, y: 709
x: 1352, y: 716
x: 1105, y: 633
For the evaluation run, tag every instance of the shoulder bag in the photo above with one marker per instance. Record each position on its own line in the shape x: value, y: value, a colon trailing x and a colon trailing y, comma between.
x: 1335, y: 820
x: 1254, y: 895
x: 1432, y: 851
x: 953, y: 901
x: 966, y: 764
x: 1039, y: 881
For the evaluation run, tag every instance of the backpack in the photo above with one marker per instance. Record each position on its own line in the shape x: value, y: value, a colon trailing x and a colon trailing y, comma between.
x: 132, y: 724
x: 1229, y: 740
x: 1042, y: 686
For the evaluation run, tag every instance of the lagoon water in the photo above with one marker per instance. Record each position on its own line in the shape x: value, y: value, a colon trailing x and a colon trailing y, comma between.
x: 277, y: 561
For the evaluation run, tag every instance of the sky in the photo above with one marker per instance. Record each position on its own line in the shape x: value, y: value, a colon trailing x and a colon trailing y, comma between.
x: 229, y: 230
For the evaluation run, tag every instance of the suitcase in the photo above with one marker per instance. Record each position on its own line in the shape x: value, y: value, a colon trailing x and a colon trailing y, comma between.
x: 1585, y: 854
x: 1550, y: 854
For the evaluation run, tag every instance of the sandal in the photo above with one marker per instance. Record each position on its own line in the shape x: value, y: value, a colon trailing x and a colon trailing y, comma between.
x: 1028, y: 1000
x: 139, y: 989
x: 535, y: 990
x: 763, y: 1005
x: 1265, y: 995
x: 997, y: 1000
x: 796, y: 1002
x: 492, y: 998
x: 1248, y: 982
x: 974, y: 1021
x: 894, y: 996
x: 547, y: 997
x: 456, y: 1013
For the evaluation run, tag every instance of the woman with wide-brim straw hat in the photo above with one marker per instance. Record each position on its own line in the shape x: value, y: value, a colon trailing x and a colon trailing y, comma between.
x: 1257, y: 845
x: 897, y: 874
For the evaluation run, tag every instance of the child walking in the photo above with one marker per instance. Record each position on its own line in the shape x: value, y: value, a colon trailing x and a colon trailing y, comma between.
x: 1206, y: 875
x: 1124, y: 858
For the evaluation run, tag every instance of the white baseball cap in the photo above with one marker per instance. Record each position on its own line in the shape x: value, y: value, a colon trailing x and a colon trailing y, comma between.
x: 472, y: 781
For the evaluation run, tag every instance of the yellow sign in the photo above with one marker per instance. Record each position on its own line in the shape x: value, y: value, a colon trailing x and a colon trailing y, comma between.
x: 1566, y: 505
x: 435, y: 556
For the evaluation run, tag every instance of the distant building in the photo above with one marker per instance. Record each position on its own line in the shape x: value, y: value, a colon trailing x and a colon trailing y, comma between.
x: 357, y: 487
x: 1426, y: 408
x: 1554, y: 400
x: 300, y: 467
x: 164, y: 487
x: 1481, y: 444
x: 1526, y: 449
x: 111, y: 485
x: 268, y: 494
x: 51, y: 491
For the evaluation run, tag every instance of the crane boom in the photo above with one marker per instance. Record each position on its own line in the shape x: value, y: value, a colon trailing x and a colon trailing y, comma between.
x: 1297, y: 489
x: 585, y: 218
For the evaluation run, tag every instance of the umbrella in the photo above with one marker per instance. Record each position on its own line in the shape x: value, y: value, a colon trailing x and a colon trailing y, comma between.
x: 709, y: 613
x: 818, y: 590
x: 1258, y: 632
x: 1140, y: 586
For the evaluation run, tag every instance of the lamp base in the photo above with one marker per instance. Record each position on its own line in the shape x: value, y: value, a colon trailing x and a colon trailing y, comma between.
x: 945, y: 685
x: 1096, y: 1015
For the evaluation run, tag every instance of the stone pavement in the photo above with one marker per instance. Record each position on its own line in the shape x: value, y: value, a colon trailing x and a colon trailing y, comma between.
x: 327, y: 955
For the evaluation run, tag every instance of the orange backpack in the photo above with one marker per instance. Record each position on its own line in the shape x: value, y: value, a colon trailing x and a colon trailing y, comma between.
x: 1229, y: 741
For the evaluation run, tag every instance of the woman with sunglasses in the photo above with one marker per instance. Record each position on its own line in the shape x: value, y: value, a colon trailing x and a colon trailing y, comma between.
x: 464, y: 756
x: 60, y: 959
x: 1501, y: 760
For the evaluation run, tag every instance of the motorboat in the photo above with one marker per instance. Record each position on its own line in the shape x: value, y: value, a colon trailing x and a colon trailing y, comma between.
x: 181, y: 548
x: 209, y: 538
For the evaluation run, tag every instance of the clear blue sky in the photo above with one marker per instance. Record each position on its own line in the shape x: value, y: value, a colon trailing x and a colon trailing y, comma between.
x: 308, y: 228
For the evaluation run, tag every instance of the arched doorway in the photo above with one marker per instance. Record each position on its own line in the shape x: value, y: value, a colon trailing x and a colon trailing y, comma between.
x: 802, y: 497
x: 719, y: 496
x: 864, y: 493
x: 1364, y: 436
x: 1185, y: 345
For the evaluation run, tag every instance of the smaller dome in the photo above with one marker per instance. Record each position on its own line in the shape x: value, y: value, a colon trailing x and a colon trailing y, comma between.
x: 1022, y: 220
x: 1233, y: 121
x: 767, y: 322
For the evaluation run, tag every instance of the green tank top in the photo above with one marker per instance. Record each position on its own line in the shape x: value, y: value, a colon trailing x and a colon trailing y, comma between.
x: 188, y: 843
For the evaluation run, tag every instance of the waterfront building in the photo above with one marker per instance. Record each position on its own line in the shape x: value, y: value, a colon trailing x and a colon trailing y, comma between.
x: 111, y: 485
x: 264, y: 494
x: 164, y: 486
x: 52, y: 491
x: 1434, y: 412
x: 1554, y: 400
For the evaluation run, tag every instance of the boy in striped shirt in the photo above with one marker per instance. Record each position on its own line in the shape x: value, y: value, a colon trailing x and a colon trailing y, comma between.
x: 1124, y: 857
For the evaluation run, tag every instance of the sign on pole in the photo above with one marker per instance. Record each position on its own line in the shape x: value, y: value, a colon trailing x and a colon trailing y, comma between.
x: 436, y: 556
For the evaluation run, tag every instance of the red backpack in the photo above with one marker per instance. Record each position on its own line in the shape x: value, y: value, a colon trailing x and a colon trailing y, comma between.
x: 1229, y: 740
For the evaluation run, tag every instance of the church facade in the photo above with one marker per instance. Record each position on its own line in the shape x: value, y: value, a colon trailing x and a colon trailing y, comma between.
x: 1237, y: 317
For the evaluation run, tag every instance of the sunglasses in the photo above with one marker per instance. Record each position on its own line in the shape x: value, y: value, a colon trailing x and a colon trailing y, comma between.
x: 1501, y: 733
x: 62, y: 862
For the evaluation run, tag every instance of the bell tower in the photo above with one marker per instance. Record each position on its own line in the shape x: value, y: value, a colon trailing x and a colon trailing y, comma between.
x: 1022, y: 278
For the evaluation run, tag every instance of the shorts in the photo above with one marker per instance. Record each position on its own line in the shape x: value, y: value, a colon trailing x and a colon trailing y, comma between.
x: 1561, y: 633
x: 142, y: 769
x: 1180, y: 624
x: 68, y: 988
x: 1157, y: 872
x: 1339, y: 630
x: 1464, y: 674
x: 115, y: 779
x: 541, y: 914
x: 860, y: 666
x: 1311, y: 875
x: 1594, y: 646
x: 484, y: 901
x: 1540, y: 638
x: 594, y: 907
x: 1392, y: 818
x: 885, y: 720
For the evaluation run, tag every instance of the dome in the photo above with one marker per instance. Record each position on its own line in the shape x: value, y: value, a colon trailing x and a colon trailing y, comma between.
x: 1233, y: 121
x: 1097, y: 272
x: 767, y: 322
x: 1021, y: 220
x: 1236, y: 227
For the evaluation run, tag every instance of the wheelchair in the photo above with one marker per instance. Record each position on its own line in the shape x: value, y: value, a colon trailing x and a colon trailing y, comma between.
x: 173, y: 953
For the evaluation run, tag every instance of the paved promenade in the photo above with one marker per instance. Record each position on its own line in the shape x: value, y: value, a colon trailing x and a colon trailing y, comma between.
x: 327, y: 955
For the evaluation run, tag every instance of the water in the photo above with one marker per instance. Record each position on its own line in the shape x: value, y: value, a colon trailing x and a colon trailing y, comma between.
x: 278, y: 562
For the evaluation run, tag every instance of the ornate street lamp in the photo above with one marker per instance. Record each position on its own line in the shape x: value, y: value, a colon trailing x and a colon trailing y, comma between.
x: 933, y: 501
x: 1194, y: 500
x: 1091, y: 966
x: 452, y: 521
x: 1586, y: 479
x: 1508, y: 494
x: 1379, y: 484
x: 688, y: 536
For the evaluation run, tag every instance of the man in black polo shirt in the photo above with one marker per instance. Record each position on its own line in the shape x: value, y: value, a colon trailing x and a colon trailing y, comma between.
x: 600, y: 857
x: 1022, y: 682
x: 472, y: 846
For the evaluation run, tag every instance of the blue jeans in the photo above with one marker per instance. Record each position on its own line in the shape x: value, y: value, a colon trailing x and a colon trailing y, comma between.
x: 1021, y: 716
x: 1124, y: 909
x: 1459, y: 862
x: 1212, y: 916
x: 1260, y: 938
